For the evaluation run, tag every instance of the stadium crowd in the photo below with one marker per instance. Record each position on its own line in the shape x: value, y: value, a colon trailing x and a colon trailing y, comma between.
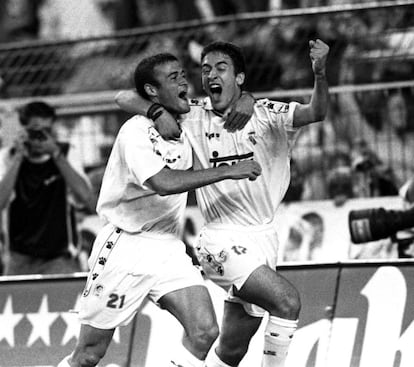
x: 328, y: 161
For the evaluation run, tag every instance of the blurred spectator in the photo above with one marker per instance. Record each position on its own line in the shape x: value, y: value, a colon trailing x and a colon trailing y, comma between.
x: 371, y: 177
x: 305, y: 238
x: 296, y: 186
x: 36, y: 174
x: 319, y: 150
x: 405, y: 239
x: 60, y: 19
x: 19, y: 20
x: 340, y: 187
x: 391, y: 136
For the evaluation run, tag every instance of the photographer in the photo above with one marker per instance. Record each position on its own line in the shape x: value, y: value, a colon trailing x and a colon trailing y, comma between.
x: 35, y: 177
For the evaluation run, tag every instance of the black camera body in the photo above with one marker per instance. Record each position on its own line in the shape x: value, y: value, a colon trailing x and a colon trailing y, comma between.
x: 373, y: 224
x: 36, y: 134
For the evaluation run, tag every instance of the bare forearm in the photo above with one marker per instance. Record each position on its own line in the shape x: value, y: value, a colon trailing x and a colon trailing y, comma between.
x: 75, y: 182
x: 176, y: 181
x: 316, y: 109
x: 8, y: 182
x: 132, y: 102
x: 320, y: 98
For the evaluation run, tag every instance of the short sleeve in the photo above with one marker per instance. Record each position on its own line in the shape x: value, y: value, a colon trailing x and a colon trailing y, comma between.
x: 142, y: 151
x: 279, y: 113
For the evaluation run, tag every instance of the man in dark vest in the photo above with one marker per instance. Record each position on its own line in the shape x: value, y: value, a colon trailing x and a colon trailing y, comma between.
x: 36, y: 176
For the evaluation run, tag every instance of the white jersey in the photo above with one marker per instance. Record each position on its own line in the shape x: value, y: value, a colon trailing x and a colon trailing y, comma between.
x: 139, y: 153
x: 267, y: 138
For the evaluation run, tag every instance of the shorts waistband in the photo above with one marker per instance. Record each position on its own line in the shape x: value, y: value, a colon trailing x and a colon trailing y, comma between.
x: 155, y: 235
x: 241, y: 228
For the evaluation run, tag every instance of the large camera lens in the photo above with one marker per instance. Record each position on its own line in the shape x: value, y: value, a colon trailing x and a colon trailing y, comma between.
x: 376, y: 223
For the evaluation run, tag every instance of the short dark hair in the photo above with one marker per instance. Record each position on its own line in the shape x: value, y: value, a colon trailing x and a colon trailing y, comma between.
x: 36, y: 109
x: 144, y: 72
x: 229, y: 49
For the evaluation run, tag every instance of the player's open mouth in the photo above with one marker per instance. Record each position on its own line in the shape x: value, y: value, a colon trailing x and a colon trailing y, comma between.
x: 183, y: 95
x: 216, y: 90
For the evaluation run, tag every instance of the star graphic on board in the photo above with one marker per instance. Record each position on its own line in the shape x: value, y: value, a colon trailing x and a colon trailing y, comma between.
x: 41, y: 321
x: 73, y: 325
x: 8, y: 321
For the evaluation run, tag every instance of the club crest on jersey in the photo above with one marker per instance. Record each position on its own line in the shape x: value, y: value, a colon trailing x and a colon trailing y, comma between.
x: 154, y: 137
x: 160, y: 145
x: 228, y: 160
x: 195, y: 102
x: 277, y: 107
x: 252, y: 137
x: 210, y: 136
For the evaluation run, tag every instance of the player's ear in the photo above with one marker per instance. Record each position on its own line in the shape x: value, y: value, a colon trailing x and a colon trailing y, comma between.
x: 240, y: 78
x: 150, y: 90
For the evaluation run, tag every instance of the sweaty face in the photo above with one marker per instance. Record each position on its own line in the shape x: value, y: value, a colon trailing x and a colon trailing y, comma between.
x: 173, y: 88
x: 219, y: 80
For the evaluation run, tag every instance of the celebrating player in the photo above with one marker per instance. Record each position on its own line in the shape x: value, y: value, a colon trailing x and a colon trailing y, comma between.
x: 238, y: 246
x: 137, y: 254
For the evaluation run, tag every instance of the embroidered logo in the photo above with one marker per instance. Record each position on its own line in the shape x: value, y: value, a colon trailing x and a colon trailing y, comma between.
x: 229, y: 160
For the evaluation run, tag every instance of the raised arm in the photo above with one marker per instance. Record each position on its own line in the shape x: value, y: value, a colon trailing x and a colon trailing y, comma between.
x: 169, y: 182
x: 316, y: 109
x: 166, y: 124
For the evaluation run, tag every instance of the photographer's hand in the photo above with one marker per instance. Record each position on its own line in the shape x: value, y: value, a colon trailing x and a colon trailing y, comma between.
x: 19, y: 149
x: 50, y: 145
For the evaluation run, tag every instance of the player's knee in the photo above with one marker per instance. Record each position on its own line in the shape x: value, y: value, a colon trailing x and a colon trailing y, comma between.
x: 204, y: 334
x: 232, y: 354
x: 89, y: 357
x: 288, y: 306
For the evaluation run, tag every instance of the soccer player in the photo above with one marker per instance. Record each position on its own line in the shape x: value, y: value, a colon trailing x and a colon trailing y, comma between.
x: 138, y: 254
x: 238, y: 246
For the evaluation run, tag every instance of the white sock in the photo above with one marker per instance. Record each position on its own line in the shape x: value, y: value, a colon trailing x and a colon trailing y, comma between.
x: 278, y: 335
x: 183, y: 358
x: 213, y: 360
x: 64, y: 362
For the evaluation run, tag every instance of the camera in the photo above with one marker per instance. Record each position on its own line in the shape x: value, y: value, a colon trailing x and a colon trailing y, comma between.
x: 377, y: 223
x: 36, y: 134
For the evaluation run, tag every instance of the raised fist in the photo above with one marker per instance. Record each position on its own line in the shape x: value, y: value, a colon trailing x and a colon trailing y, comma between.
x: 318, y: 51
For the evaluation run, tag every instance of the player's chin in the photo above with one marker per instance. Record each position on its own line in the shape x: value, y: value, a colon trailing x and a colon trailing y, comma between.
x: 183, y: 106
x: 219, y: 104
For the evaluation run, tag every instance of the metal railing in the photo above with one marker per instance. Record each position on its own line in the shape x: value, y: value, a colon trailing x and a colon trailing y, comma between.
x: 369, y: 65
x: 369, y: 42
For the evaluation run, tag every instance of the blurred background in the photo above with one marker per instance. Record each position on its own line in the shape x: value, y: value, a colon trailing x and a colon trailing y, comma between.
x: 77, y: 55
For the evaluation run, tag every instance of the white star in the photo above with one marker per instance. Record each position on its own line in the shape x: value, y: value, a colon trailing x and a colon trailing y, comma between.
x: 72, y: 321
x: 41, y: 322
x: 73, y: 325
x: 117, y: 336
x: 8, y: 321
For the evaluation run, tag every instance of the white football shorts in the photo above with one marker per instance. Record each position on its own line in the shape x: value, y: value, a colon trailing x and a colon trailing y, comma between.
x: 126, y: 268
x: 228, y: 255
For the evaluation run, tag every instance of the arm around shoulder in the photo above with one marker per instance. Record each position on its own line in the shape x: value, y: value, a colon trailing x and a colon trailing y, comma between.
x: 130, y: 101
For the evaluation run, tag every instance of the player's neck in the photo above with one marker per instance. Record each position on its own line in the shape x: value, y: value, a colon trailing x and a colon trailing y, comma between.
x: 226, y: 110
